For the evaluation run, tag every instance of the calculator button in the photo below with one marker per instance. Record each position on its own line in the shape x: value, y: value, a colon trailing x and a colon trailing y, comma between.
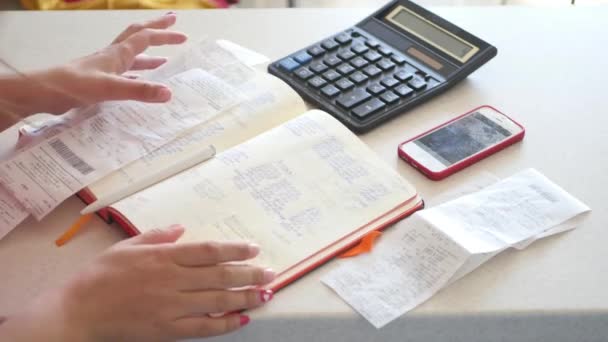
x: 289, y: 64
x: 329, y: 44
x: 372, y: 71
x: 331, y: 75
x: 343, y: 38
x: 345, y: 84
x: 359, y: 49
x: 385, y: 51
x: 386, y: 64
x: 403, y: 90
x: 358, y: 77
x: 398, y: 59
x: 403, y: 75
x: 318, y: 67
x: 417, y: 83
x: 330, y: 91
x: 359, y: 62
x: 389, y: 97
x: 346, y: 55
x: 345, y: 69
x: 316, y: 51
x: 304, y: 73
x: 375, y: 89
x: 317, y: 82
x: 332, y: 61
x: 368, y: 108
x: 303, y: 58
x: 372, y: 56
x: 372, y: 43
x: 353, y: 98
x: 431, y: 82
x: 389, y: 82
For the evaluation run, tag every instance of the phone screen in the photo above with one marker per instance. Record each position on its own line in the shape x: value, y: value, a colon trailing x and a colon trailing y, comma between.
x: 462, y: 138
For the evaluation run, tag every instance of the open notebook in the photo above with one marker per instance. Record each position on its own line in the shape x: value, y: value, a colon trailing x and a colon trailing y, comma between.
x: 296, y: 182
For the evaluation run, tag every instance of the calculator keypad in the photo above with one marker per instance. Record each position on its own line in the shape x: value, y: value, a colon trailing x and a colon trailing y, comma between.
x: 359, y: 75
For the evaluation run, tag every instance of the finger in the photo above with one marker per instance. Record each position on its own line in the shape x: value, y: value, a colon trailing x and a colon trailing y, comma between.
x: 140, y: 41
x: 143, y: 62
x: 162, y: 22
x: 204, y: 326
x: 157, y: 236
x: 211, y: 253
x: 209, y: 302
x: 114, y: 87
x: 223, y: 277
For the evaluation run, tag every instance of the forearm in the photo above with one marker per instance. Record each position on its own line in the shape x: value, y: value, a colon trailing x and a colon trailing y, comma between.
x: 12, y: 90
x: 22, y: 95
x: 42, y: 321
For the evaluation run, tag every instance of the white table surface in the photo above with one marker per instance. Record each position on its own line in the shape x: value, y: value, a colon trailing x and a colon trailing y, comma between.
x: 550, y: 74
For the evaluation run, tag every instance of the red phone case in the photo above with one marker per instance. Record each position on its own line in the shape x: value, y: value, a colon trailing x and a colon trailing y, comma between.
x: 465, y: 162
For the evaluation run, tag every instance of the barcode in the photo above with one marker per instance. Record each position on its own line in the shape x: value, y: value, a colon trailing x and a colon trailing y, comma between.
x: 69, y: 156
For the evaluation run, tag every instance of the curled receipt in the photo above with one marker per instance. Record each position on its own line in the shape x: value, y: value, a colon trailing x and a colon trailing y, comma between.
x: 426, y: 252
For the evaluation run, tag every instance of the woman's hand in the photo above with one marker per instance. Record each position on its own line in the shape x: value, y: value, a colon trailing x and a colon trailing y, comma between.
x: 98, y: 77
x: 149, y: 289
x: 94, y: 78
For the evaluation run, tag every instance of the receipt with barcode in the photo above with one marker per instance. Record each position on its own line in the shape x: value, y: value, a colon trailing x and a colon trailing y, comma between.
x: 44, y: 175
x: 435, y: 247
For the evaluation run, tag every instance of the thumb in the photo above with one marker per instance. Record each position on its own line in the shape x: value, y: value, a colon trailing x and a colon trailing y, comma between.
x: 157, y: 236
x: 114, y: 87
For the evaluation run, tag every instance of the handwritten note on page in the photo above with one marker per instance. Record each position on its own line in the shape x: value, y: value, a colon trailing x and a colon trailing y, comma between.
x: 451, y: 240
x: 281, y: 189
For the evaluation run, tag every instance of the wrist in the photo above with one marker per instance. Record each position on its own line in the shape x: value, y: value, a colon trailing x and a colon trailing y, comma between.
x: 43, y: 91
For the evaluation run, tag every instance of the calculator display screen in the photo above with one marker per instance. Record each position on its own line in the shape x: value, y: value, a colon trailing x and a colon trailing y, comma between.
x: 432, y: 34
x: 462, y: 138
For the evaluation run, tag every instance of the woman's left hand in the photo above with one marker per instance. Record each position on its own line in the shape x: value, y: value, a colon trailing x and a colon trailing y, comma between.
x: 97, y: 77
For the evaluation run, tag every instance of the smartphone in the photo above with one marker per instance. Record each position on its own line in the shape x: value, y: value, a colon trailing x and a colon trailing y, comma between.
x: 460, y: 142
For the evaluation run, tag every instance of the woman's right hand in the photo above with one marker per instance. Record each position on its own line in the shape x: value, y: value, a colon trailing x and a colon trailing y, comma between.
x: 148, y: 288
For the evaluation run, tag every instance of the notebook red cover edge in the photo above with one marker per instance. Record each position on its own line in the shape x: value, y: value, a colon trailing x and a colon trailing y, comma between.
x: 343, y: 249
x: 131, y: 230
x: 87, y: 196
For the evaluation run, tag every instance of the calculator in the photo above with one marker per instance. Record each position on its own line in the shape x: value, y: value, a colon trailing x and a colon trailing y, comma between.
x: 393, y: 60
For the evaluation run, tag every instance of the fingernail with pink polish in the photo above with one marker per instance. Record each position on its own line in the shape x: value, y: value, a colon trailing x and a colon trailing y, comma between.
x: 266, y: 295
x: 244, y: 319
x: 163, y: 94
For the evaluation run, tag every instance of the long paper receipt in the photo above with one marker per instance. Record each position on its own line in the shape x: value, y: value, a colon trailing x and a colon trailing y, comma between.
x: 429, y: 250
x: 117, y: 133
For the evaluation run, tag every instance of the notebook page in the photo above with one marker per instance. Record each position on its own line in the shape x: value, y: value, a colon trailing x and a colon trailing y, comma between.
x: 293, y: 190
x: 269, y: 102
